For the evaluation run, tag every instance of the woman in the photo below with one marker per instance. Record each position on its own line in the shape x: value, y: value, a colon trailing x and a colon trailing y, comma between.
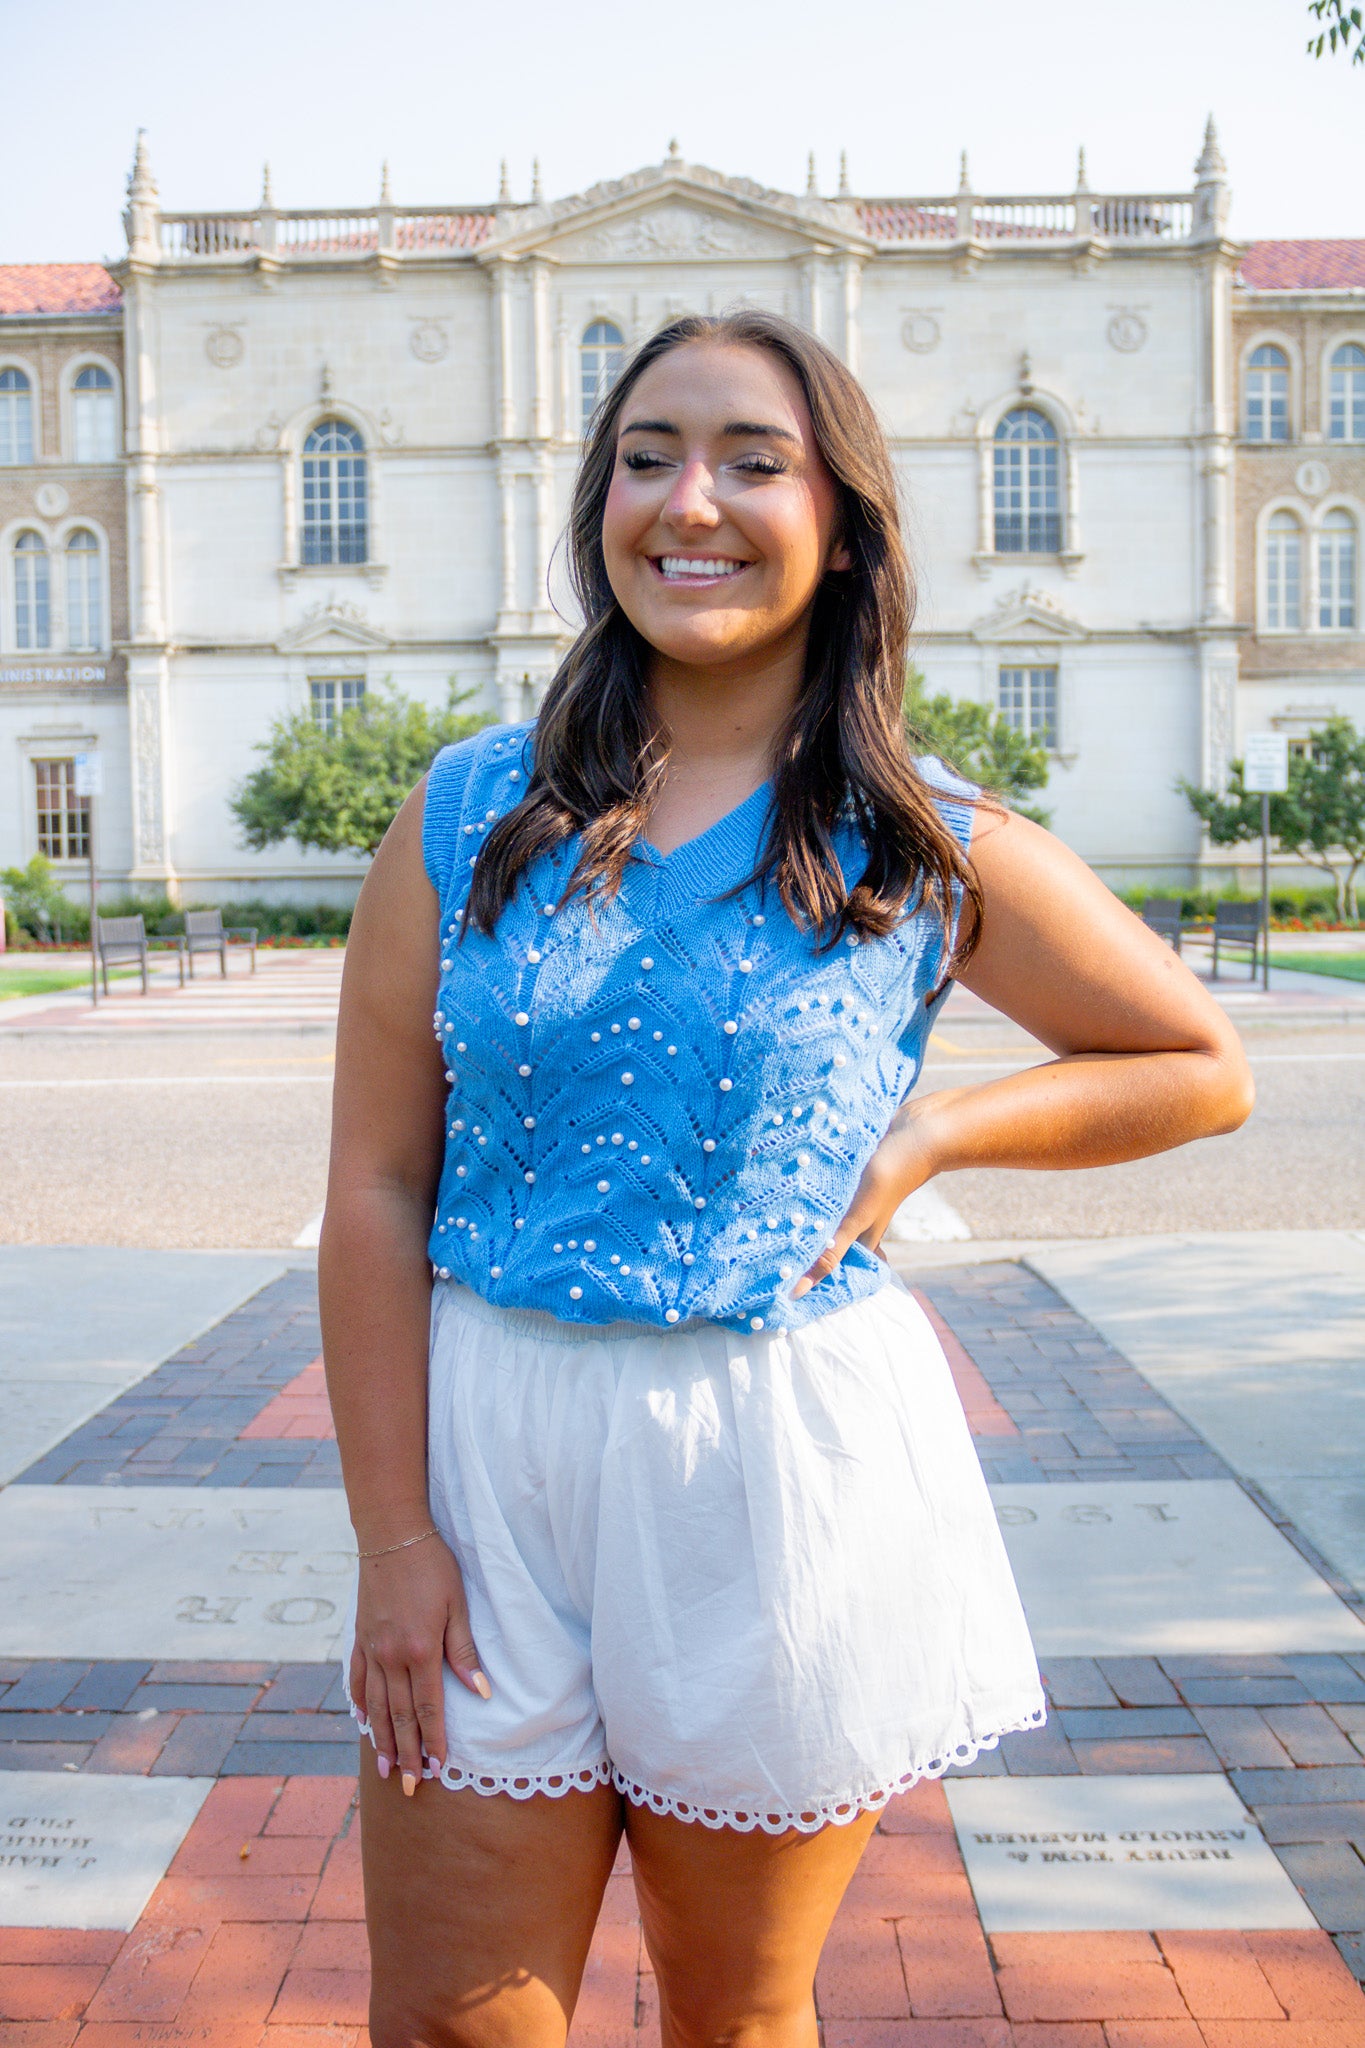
x: 667, y: 1514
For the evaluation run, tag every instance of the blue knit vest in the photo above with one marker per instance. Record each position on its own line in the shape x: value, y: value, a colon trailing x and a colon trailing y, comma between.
x: 658, y: 1109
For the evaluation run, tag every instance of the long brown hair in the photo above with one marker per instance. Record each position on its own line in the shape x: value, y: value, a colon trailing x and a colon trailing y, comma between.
x: 599, y: 752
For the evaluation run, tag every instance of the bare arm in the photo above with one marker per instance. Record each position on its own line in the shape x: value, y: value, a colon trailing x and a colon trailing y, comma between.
x: 388, y: 1123
x: 1146, y: 1060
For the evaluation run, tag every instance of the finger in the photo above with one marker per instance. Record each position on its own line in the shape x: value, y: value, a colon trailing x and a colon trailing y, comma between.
x: 407, y: 1734
x: 377, y: 1714
x: 462, y: 1657
x: 429, y: 1704
x: 355, y: 1679
x: 861, y: 1216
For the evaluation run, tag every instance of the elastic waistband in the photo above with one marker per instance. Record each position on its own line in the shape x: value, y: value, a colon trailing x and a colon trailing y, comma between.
x: 535, y: 1322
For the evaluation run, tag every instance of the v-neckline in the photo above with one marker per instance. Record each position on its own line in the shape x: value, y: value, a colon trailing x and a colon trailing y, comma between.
x: 724, y: 826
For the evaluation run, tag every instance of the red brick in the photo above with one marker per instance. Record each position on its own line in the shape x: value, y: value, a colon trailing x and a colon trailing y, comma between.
x: 323, y: 1998
x: 1085, y: 1977
x: 241, y: 1975
x: 312, y: 1806
x: 183, y: 1671
x: 947, y: 1969
x: 605, y: 2014
x: 333, y: 1945
x: 138, y: 2034
x: 300, y: 1409
x: 287, y: 2036
x: 1064, y: 2034
x: 131, y: 1747
x: 921, y: 1810
x: 860, y: 1975
x: 980, y: 2033
x: 47, y: 1991
x: 154, y: 1970
x: 1219, y: 1977
x: 204, y: 1901
x: 341, y: 1893
x: 234, y: 1809
x: 619, y: 1906
x: 58, y: 1945
x: 1158, y: 1754
x: 1149, y: 2034
x: 266, y: 1856
x: 1270, y: 2034
x: 38, y: 2033
x: 1308, y: 1976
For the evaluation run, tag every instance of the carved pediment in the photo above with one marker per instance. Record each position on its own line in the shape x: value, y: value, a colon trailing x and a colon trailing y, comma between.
x: 1028, y: 614
x: 335, y: 628
x: 673, y: 232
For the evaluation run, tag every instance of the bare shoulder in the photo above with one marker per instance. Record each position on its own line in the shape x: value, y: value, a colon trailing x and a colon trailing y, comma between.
x: 1059, y: 953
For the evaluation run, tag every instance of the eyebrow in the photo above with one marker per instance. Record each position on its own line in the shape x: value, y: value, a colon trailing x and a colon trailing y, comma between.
x: 734, y: 430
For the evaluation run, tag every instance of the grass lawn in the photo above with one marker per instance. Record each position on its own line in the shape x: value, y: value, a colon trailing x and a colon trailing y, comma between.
x: 41, y: 981
x: 1345, y: 966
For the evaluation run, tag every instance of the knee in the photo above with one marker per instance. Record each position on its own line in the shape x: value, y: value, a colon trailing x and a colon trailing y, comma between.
x: 697, y: 2015
x: 403, y: 2017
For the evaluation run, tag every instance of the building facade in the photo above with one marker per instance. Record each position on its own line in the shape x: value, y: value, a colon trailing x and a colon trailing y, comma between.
x: 349, y: 440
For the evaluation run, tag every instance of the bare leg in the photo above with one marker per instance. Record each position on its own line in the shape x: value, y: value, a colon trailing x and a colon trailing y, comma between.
x: 734, y: 1925
x: 480, y: 1910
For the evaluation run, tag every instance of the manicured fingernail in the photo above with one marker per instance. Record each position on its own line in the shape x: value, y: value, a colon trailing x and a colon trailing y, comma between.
x: 409, y: 1783
x: 383, y: 1764
x: 481, y: 1685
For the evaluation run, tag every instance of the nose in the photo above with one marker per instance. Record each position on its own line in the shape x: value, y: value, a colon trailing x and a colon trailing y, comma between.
x: 689, y: 502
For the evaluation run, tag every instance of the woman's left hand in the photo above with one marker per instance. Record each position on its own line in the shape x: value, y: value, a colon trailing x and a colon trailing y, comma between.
x: 901, y: 1163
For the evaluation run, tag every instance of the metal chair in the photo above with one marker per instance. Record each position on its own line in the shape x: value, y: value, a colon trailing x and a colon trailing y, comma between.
x: 1161, y: 914
x: 125, y: 938
x: 1238, y: 924
x: 205, y: 932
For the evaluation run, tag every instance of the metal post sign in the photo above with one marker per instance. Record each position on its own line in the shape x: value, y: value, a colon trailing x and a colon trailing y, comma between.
x: 89, y: 775
x: 1265, y: 764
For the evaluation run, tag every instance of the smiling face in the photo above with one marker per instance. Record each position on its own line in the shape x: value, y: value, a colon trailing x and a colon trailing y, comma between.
x: 720, y: 520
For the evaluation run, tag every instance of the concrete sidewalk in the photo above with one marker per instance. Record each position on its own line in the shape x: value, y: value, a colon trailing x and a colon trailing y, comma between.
x: 1173, y: 1861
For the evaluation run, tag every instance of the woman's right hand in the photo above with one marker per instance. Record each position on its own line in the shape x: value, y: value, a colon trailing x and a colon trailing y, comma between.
x: 411, y: 1620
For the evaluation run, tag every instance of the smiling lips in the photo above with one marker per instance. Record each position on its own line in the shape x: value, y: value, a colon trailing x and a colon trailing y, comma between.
x: 697, y: 568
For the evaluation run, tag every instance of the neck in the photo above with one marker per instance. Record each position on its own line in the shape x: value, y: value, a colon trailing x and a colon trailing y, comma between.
x: 724, y: 720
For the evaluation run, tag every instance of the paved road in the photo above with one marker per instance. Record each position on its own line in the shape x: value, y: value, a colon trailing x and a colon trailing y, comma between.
x: 220, y: 1140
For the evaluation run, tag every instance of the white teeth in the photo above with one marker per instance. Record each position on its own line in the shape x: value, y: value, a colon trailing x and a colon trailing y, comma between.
x: 685, y: 565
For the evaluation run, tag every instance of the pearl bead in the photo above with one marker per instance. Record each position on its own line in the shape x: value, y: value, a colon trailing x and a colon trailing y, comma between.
x: 533, y: 956
x: 529, y: 1178
x: 634, y: 1023
x: 777, y: 1117
x: 603, y: 1187
x: 597, y: 1038
x: 490, y: 814
x: 618, y: 1137
x: 689, y: 1258
x: 461, y: 1171
x: 746, y: 966
x: 519, y: 1223
x: 445, y: 1272
x: 700, y: 1202
x: 514, y: 775
x: 726, y: 1085
x: 670, y: 1315
x: 460, y: 1045
x: 445, y: 967
x: 627, y: 1080
x: 708, y: 1144
x: 644, y: 1159
x: 759, y: 918
x: 616, y: 1030
x: 658, y: 1038
x: 803, y: 1158
x: 786, y: 1272
x: 646, y: 963
x: 575, y: 1294
x: 556, y: 1247
x: 839, y: 1060
x: 529, y: 1122
x: 573, y: 1244
x: 585, y: 1148
x: 524, y: 1071
x: 495, y: 1272
x: 521, y: 1018
x: 460, y: 1222
x: 548, y: 908
x: 616, y: 1258
x: 672, y: 1050
x: 449, y: 1075
x: 633, y: 1145
x: 755, y: 1322
x: 458, y: 1124
x: 625, y: 1269
x: 590, y: 1244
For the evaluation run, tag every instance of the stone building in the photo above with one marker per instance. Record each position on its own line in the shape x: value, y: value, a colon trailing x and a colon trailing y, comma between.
x: 351, y: 434
x: 63, y: 560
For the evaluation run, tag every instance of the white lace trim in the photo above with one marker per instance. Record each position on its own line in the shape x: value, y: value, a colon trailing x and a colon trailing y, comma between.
x: 807, y: 1820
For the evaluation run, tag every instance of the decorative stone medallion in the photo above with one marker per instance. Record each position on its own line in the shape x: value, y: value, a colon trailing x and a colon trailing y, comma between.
x: 920, y: 332
x: 1127, y: 331
x: 51, y: 500
x: 224, y: 348
x: 1312, y: 478
x: 429, y: 341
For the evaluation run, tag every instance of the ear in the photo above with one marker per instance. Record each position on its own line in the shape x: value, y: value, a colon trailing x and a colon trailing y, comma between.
x: 840, y: 560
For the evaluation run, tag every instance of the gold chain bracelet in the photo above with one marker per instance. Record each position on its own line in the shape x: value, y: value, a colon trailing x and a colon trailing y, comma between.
x: 406, y: 1544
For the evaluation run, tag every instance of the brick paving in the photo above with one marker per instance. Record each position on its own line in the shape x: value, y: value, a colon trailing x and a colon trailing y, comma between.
x: 255, y: 1935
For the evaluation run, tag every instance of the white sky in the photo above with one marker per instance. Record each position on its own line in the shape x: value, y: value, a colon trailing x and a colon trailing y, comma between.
x: 596, y: 88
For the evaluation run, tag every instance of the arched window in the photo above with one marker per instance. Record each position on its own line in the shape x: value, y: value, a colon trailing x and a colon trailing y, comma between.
x: 1028, y: 489
x: 32, y: 594
x: 1267, y: 390
x: 1337, y: 572
x: 84, y: 595
x: 1284, y: 574
x: 16, y: 417
x: 1346, y: 394
x: 600, y: 356
x: 94, y: 416
x: 334, y: 494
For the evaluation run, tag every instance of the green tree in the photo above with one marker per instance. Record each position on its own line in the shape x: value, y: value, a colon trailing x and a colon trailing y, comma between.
x: 38, y: 904
x: 980, y: 744
x: 1344, y: 25
x: 1320, y: 819
x: 341, y: 790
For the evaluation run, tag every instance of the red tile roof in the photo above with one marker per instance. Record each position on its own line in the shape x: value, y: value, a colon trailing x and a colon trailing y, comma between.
x: 1303, y: 266
x: 57, y: 288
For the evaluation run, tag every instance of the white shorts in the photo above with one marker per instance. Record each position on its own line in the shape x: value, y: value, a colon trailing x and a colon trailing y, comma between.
x: 754, y: 1580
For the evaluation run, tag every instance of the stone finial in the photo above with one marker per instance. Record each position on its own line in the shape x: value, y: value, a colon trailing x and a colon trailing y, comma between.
x: 267, y: 194
x: 844, y: 192
x: 812, y: 188
x: 1082, y: 182
x: 674, y: 153
x: 504, y: 185
x: 964, y: 183
x: 1211, y: 167
x: 141, y: 183
x: 536, y: 194
x: 385, y: 194
x: 1212, y: 199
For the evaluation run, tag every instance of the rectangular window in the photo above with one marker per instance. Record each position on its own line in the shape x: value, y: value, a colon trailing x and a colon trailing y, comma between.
x: 1027, y: 700
x: 331, y: 695
x: 63, y: 817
